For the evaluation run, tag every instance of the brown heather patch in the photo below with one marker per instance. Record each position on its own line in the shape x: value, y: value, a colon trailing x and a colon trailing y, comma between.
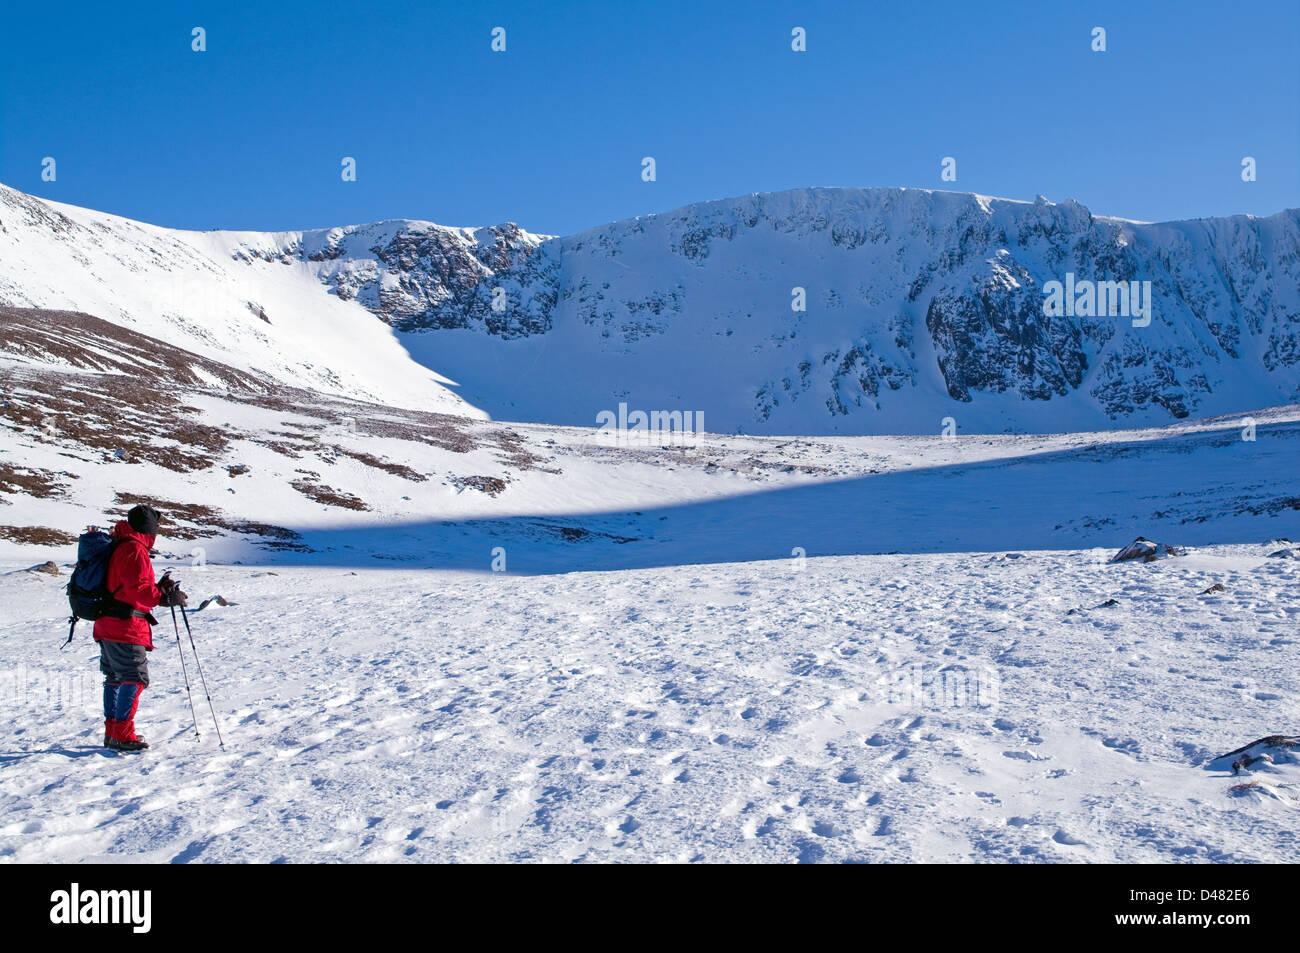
x: 30, y: 481
x: 439, y: 430
x: 176, y: 516
x: 329, y: 496
x: 291, y: 450
x: 397, y: 469
x: 252, y: 528
x: 37, y: 535
x: 310, y: 429
x: 484, y: 484
x: 84, y: 341
x: 128, y: 419
x: 514, y: 452
x: 276, y: 401
x: 307, y: 439
x: 578, y: 534
x: 372, y: 420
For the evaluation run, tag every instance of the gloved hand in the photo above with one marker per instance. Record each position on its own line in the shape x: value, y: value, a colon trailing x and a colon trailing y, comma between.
x: 173, y: 595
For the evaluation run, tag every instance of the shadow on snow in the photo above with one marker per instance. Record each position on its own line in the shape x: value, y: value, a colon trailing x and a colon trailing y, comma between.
x: 1194, y: 489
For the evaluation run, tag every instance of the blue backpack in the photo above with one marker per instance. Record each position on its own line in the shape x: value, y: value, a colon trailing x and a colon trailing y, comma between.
x: 88, y: 593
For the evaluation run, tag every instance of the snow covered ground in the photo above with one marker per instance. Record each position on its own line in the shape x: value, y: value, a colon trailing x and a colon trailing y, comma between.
x: 935, y: 707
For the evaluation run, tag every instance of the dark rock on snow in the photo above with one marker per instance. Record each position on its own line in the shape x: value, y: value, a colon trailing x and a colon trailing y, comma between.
x: 1145, y: 550
x: 1270, y: 750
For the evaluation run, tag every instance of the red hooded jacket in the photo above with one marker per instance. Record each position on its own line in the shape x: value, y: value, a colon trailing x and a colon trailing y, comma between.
x: 130, y: 580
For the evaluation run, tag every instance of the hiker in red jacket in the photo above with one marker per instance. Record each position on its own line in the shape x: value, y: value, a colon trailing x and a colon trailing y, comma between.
x: 124, y: 642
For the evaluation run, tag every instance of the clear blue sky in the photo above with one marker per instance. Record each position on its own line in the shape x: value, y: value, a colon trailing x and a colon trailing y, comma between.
x: 551, y: 133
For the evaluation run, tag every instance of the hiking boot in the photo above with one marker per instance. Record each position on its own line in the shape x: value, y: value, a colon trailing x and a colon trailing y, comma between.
x: 126, y: 735
x: 134, y: 744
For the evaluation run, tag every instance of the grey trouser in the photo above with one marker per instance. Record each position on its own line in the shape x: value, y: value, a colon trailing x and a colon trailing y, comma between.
x: 123, y: 662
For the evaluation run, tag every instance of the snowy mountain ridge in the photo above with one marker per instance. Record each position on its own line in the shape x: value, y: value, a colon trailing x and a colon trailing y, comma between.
x: 917, y: 305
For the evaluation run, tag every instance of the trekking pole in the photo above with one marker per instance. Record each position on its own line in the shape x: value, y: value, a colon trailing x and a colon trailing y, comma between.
x: 220, y: 741
x: 181, y: 652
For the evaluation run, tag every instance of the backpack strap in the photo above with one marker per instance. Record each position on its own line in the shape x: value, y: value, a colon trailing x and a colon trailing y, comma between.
x: 113, y: 547
x: 71, y: 628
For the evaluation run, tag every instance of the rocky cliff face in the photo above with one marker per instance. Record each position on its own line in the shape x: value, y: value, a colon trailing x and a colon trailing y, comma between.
x: 418, y: 276
x: 912, y: 297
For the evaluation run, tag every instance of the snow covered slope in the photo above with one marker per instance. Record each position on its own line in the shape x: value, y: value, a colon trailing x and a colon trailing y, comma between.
x: 208, y: 293
x: 95, y: 416
x: 920, y: 305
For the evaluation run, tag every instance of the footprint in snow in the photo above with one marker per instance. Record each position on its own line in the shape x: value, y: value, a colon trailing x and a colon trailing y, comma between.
x: 825, y: 829
x: 1128, y: 746
x: 810, y: 852
x: 1061, y: 837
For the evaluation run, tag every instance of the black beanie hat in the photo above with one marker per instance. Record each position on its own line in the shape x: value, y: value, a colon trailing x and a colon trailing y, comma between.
x: 144, y: 519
